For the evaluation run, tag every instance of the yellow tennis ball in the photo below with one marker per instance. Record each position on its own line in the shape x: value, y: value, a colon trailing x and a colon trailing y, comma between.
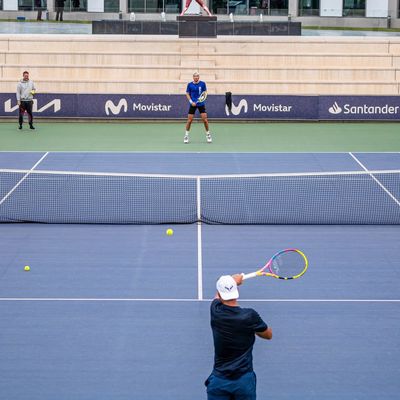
x: 27, y: 268
x: 170, y: 232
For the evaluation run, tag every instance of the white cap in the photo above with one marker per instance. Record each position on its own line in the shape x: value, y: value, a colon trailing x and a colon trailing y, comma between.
x: 227, y: 288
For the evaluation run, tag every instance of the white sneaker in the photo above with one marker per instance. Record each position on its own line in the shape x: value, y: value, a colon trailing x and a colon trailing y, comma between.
x: 209, y: 138
x: 186, y: 139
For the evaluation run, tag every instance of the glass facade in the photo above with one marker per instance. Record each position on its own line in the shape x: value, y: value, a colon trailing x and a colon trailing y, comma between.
x: 250, y: 7
x: 155, y: 6
x: 308, y: 7
x: 353, y: 8
x: 75, y: 5
x: 111, y: 6
x: 30, y: 5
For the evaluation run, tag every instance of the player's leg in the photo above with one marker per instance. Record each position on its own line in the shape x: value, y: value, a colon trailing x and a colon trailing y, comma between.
x: 30, y: 115
x: 186, y: 6
x: 204, y: 118
x: 203, y: 6
x: 21, y: 115
x: 189, y: 121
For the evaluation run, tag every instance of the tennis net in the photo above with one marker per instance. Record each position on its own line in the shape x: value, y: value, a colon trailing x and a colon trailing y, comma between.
x: 356, y: 197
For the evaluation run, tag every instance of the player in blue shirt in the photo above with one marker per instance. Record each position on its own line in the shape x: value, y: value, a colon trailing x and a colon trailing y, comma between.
x: 193, y: 91
x: 234, y: 330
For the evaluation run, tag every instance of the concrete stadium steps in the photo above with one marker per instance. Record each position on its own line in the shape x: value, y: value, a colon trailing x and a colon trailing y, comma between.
x: 220, y: 87
x: 175, y: 60
x: 94, y: 86
x: 303, y: 45
x: 148, y: 73
x: 90, y: 58
x: 244, y: 65
x: 303, y: 60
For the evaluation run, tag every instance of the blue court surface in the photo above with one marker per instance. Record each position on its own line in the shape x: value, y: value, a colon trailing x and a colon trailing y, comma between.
x: 122, y: 311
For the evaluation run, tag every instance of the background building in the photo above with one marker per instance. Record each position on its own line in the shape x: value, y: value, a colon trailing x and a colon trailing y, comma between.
x: 346, y: 13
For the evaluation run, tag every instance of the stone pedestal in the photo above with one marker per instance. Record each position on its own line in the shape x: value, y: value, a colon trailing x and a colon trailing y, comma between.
x: 197, y: 26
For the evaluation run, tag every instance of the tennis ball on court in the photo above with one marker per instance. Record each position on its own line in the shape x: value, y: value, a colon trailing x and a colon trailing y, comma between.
x: 27, y: 268
x: 170, y: 232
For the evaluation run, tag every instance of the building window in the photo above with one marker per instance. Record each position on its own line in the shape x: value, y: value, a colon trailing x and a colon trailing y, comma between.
x: 279, y: 7
x: 30, y: 5
x: 219, y: 6
x: 25, y: 5
x: 111, y: 6
x: 250, y: 7
x: 155, y: 6
x: 1, y: 4
x: 75, y: 5
x: 308, y: 7
x: 354, y: 8
x: 172, y: 6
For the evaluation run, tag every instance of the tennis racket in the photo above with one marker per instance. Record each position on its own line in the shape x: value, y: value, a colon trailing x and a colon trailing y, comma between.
x: 286, y: 264
x: 202, y: 97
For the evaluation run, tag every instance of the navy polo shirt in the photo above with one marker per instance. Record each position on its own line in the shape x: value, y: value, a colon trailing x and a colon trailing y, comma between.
x: 195, y: 90
x: 234, y: 331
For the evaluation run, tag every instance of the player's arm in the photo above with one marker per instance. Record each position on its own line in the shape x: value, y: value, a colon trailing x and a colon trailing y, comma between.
x: 238, y: 279
x: 189, y: 99
x: 19, y: 94
x: 267, y: 334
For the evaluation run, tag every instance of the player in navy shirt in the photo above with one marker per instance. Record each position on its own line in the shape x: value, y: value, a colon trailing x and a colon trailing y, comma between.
x: 193, y: 91
x: 234, y: 330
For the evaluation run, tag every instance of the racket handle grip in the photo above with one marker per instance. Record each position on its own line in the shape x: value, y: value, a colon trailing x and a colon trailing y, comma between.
x: 248, y: 276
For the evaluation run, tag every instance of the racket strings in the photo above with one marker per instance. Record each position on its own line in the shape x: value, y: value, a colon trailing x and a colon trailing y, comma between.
x: 288, y: 264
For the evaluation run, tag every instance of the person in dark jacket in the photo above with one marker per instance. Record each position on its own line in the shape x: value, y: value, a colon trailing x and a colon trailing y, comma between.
x: 38, y: 7
x: 25, y: 92
x: 59, y: 9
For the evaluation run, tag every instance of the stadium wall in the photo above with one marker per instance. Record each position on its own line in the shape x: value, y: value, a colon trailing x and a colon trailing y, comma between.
x: 79, y: 64
x: 244, y: 107
x: 271, y: 78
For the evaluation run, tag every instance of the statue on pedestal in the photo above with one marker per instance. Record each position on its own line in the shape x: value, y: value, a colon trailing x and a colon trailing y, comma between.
x: 201, y: 4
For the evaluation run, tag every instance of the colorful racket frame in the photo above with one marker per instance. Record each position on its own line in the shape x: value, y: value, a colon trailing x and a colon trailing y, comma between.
x: 267, y: 271
x: 202, y: 97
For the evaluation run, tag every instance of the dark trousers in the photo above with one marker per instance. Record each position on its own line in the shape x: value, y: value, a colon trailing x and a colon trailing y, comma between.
x: 25, y: 106
x: 59, y: 13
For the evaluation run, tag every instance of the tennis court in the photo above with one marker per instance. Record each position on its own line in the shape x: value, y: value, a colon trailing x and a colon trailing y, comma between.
x: 121, y: 311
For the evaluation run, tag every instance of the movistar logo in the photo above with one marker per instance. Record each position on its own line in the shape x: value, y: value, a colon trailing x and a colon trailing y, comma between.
x: 110, y: 107
x: 236, y: 110
x: 335, y: 109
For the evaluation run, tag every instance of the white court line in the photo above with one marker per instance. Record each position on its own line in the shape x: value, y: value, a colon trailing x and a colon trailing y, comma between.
x: 72, y: 299
x: 22, y: 179
x: 376, y: 180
